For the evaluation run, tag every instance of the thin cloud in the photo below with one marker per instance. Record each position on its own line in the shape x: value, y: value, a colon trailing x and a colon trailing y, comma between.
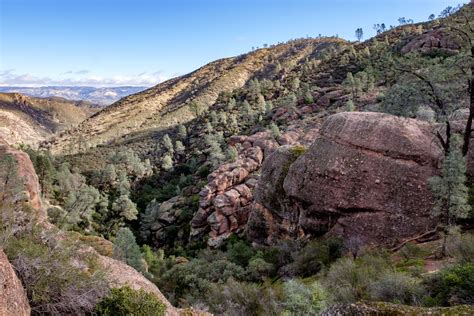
x: 11, y: 78
x: 82, y: 72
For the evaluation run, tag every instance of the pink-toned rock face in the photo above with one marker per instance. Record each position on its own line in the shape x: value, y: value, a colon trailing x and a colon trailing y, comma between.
x: 228, y: 198
x: 365, y: 176
x: 13, y: 300
x: 24, y: 170
x: 434, y: 40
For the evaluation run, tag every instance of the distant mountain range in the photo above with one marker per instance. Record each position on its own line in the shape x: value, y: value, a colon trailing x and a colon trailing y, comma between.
x: 99, y: 96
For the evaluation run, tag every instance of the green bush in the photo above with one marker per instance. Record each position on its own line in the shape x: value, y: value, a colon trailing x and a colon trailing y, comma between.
x: 126, y: 301
x: 452, y: 286
x: 242, y: 298
x: 54, y: 283
x: 396, y: 287
x: 303, y: 299
x: 240, y: 252
x: 314, y: 256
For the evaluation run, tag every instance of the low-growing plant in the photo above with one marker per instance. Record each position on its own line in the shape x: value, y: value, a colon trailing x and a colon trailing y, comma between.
x: 126, y: 301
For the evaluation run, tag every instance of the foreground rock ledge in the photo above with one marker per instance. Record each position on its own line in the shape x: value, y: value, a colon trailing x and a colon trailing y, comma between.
x: 13, y: 300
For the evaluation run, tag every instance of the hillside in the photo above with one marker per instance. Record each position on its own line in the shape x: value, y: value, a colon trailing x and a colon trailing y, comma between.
x: 100, y: 97
x: 170, y: 103
x: 317, y: 176
x: 31, y: 120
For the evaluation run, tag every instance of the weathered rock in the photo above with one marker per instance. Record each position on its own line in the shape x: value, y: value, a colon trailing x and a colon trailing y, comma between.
x: 365, y: 176
x: 227, y: 199
x: 13, y: 300
x: 433, y: 41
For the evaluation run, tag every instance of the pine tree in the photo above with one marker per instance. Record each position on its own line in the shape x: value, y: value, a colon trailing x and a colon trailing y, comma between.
x: 261, y: 103
x: 168, y: 144
x: 268, y: 106
x: 308, y: 97
x: 231, y: 104
x: 125, y: 208
x: 274, y: 130
x: 350, y: 107
x: 148, y: 218
x: 167, y: 162
x: 450, y: 190
x: 359, y: 33
x: 179, y: 147
x: 223, y: 118
x: 182, y: 132
x: 232, y: 154
x: 127, y: 249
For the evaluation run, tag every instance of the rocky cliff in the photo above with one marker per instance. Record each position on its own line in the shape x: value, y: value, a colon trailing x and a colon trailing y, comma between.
x: 364, y: 177
x: 13, y: 300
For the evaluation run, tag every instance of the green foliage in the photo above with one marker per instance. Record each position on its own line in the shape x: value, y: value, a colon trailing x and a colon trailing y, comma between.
x: 275, y: 130
x: 214, y: 149
x: 167, y: 162
x: 179, y: 147
x: 240, y: 252
x: 242, y: 298
x: 450, y: 190
x: 55, y: 283
x: 127, y: 249
x: 191, y: 279
x: 396, y: 287
x: 350, y: 107
x: 348, y: 280
x: 168, y: 144
x: 182, y: 132
x: 303, y: 299
x: 126, y: 301
x: 314, y: 256
x: 452, y: 286
x: 231, y: 154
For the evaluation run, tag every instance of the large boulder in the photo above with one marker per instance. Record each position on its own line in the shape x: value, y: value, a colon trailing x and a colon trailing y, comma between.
x: 364, y: 177
x: 13, y: 300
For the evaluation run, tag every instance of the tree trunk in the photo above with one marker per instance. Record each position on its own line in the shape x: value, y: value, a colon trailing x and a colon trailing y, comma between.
x: 468, y: 130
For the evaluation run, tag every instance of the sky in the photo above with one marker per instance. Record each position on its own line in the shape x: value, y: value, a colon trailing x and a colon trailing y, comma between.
x: 144, y: 42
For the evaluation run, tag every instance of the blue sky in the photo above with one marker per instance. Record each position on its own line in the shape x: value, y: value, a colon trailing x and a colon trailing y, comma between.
x: 142, y: 42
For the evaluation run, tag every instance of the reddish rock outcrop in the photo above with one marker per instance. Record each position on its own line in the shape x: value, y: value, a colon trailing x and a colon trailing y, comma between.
x: 433, y: 41
x: 13, y: 300
x: 227, y: 199
x: 365, y: 176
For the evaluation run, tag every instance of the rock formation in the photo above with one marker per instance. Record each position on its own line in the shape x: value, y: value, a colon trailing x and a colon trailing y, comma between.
x: 364, y: 177
x: 227, y: 199
x: 13, y: 299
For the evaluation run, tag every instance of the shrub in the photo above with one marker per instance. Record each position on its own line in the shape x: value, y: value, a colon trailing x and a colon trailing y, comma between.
x: 189, y: 280
x: 452, y: 286
x: 241, y: 298
x: 396, y: 287
x: 54, y: 283
x: 314, y: 256
x: 303, y: 299
x: 348, y: 280
x: 126, y: 301
x: 240, y: 253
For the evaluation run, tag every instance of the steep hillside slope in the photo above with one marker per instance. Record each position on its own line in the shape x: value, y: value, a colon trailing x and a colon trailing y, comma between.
x: 179, y: 100
x: 30, y: 120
